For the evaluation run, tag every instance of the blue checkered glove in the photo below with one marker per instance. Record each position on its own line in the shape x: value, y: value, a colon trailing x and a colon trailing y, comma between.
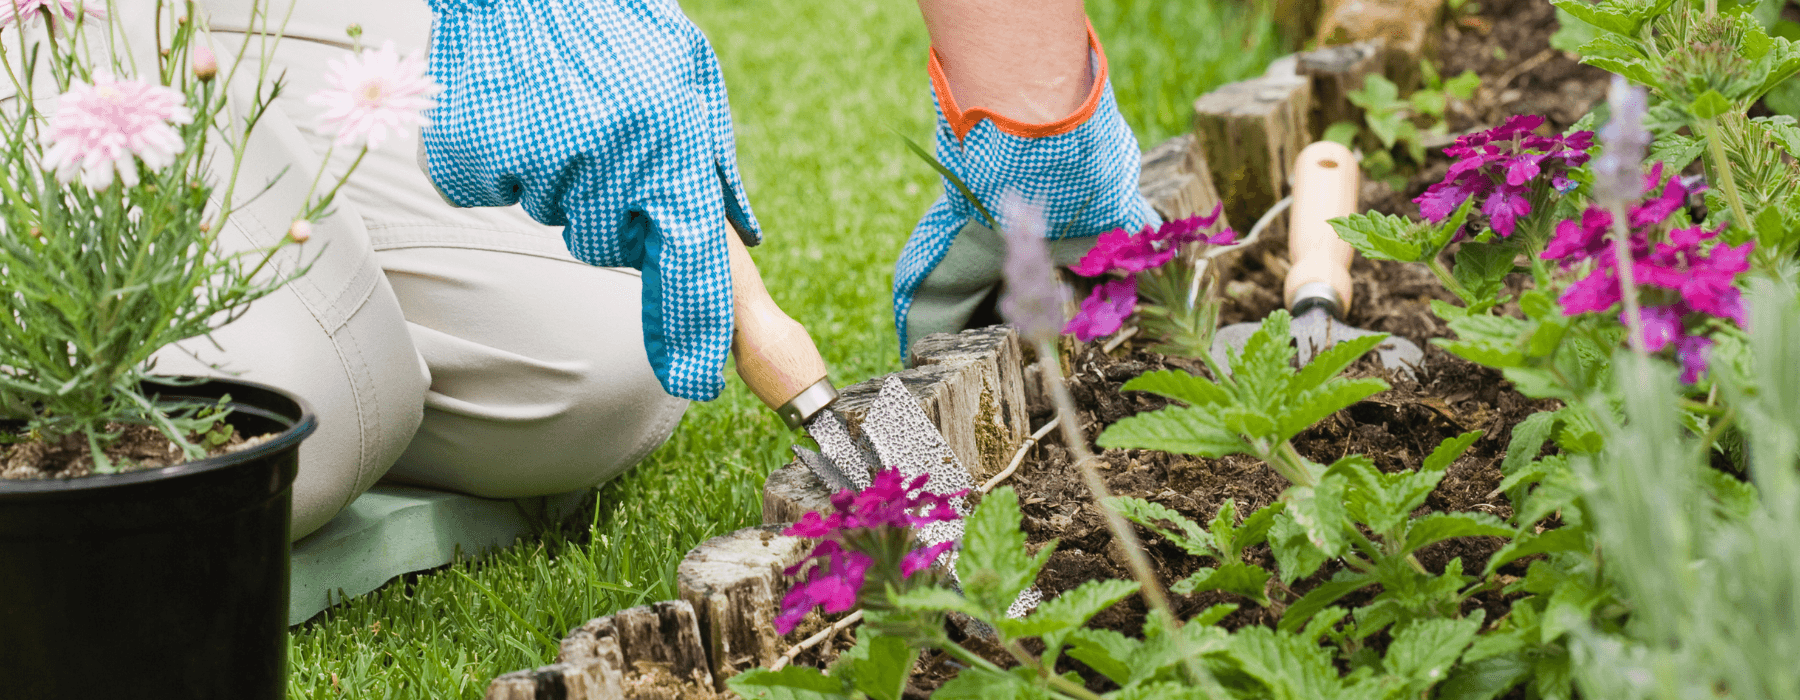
x: 1083, y: 168
x: 608, y: 117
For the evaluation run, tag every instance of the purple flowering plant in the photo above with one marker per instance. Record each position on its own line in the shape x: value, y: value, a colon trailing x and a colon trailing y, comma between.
x: 869, y: 544
x: 1176, y: 311
x: 1510, y: 169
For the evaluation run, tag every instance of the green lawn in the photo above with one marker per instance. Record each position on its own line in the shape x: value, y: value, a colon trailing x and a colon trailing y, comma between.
x: 816, y: 88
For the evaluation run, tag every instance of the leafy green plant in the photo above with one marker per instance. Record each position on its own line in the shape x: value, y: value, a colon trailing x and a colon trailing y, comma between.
x: 1407, y: 122
x: 1224, y: 541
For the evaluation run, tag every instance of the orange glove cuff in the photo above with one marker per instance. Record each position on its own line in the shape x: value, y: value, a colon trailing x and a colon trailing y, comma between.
x: 961, y: 122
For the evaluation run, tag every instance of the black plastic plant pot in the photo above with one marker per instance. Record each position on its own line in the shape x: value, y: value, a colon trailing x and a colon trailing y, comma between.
x: 163, y: 583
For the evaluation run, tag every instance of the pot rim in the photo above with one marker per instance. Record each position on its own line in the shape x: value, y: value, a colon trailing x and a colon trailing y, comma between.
x: 297, y: 430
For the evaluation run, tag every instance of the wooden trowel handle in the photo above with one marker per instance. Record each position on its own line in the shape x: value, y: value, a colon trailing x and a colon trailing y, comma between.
x: 775, y: 355
x: 1326, y: 182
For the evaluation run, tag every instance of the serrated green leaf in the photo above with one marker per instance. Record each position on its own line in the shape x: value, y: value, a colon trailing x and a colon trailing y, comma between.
x: 1447, y: 311
x: 1382, y: 237
x: 1313, y: 406
x: 1463, y: 86
x: 1551, y: 678
x: 791, y: 683
x: 1247, y: 580
x: 1482, y: 267
x: 1332, y: 362
x: 1709, y: 105
x: 1070, y: 610
x: 978, y: 684
x: 1735, y: 497
x: 1256, y: 527
x: 1224, y: 527
x: 877, y: 665
x: 1319, y: 510
x: 934, y: 598
x: 1322, y: 597
x: 1178, y: 385
x: 1437, y: 527
x: 1186, y: 534
x: 1212, y: 615
x: 1448, y: 450
x: 1676, y: 151
x: 1483, y: 352
x: 1777, y: 65
x: 1323, y: 622
x: 1600, y: 16
x: 1635, y: 71
x: 1105, y: 651
x: 1423, y: 651
x: 1613, y: 46
x: 1563, y: 539
x: 1446, y: 231
x: 1295, y: 556
x: 1342, y: 133
x: 994, y: 565
x: 1485, y: 679
x: 1290, y: 667
x: 1178, y: 429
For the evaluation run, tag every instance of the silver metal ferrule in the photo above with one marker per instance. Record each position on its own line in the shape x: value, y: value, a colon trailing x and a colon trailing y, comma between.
x: 1317, y: 294
x: 800, y: 409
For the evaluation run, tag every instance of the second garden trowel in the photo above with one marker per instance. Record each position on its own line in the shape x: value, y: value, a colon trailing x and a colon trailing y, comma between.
x: 1318, y: 289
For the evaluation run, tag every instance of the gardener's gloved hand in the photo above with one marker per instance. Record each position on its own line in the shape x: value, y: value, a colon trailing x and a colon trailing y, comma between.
x: 608, y: 117
x: 1084, y: 168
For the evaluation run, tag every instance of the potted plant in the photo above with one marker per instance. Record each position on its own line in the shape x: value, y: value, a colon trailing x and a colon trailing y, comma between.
x: 144, y: 520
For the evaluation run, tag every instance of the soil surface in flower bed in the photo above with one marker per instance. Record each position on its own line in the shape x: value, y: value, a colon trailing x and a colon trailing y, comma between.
x: 138, y: 447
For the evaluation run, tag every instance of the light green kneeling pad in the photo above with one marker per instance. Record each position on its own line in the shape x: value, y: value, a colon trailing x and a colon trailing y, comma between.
x: 392, y: 530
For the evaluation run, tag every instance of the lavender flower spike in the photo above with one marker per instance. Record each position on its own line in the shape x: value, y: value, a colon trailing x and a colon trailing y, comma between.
x: 1619, y: 169
x: 1033, y: 300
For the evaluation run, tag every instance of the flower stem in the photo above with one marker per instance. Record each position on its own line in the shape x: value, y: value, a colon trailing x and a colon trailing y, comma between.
x: 1722, y: 167
x: 1287, y: 461
x: 1448, y: 280
x: 1634, y: 316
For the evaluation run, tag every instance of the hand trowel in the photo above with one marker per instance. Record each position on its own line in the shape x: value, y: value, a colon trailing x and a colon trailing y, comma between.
x: 1326, y: 182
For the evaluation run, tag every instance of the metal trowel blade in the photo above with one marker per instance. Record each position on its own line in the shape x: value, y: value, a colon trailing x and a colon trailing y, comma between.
x: 1314, y: 331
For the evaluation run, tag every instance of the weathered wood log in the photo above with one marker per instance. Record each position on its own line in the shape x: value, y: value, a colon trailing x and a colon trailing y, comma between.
x: 1404, y: 29
x: 1000, y: 414
x: 651, y: 652
x: 1336, y: 72
x: 791, y: 492
x: 1250, y: 133
x: 735, y: 585
x: 1176, y: 181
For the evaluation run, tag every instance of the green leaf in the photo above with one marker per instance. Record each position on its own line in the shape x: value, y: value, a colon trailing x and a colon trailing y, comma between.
x: 877, y: 665
x: 1319, y: 510
x: 1635, y: 71
x: 1600, y: 16
x: 1212, y: 615
x: 1070, y: 610
x: 1437, y: 527
x: 1194, y: 391
x: 1485, y: 679
x: 1313, y: 406
x: 1424, y: 650
x: 1186, y: 535
x: 977, y: 684
x: 994, y: 566
x: 1448, y: 450
x: 1463, y: 86
x: 1571, y: 33
x: 1107, y: 652
x: 791, y: 683
x: 1429, y: 102
x: 1735, y: 497
x: 1567, y: 538
x: 1295, y: 555
x: 1179, y: 429
x: 1528, y: 439
x: 1247, y: 580
x: 1710, y: 105
x: 1676, y: 151
x: 1332, y: 361
x: 1321, y: 597
x: 1482, y: 267
x: 935, y: 599
x: 1342, y: 133
x: 1292, y: 668
x: 961, y: 187
x: 1383, y: 237
x: 1256, y: 527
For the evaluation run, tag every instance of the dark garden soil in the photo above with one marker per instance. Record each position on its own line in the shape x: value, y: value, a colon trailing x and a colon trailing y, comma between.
x: 1507, y: 43
x: 138, y: 447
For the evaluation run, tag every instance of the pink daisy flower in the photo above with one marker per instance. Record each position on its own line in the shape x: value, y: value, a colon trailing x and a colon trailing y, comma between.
x: 98, y: 128
x: 12, y: 10
x: 374, y: 92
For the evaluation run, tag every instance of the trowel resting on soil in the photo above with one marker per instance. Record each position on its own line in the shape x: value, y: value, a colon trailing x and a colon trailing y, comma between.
x: 1318, y: 289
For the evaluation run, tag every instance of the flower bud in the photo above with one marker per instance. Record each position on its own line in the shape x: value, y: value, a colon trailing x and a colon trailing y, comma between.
x: 300, y: 231
x: 206, y: 65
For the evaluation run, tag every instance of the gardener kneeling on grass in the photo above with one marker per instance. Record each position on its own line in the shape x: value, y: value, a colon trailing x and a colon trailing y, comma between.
x: 515, y: 351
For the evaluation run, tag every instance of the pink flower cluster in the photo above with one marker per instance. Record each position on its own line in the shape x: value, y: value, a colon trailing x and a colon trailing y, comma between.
x: 1685, y: 278
x: 1502, y: 165
x: 1107, y: 307
x: 863, y: 529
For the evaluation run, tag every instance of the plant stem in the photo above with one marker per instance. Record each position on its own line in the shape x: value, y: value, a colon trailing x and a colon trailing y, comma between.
x: 1287, y: 461
x: 1634, y: 317
x: 1722, y: 167
x: 1049, y: 675
x: 1444, y: 277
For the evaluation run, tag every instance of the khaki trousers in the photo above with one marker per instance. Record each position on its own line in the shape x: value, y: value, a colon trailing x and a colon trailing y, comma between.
x: 461, y: 349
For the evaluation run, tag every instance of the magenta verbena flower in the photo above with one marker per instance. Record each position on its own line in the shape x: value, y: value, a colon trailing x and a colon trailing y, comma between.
x: 374, y: 93
x: 101, y: 129
x: 1501, y: 167
x: 868, y: 533
x: 1685, y: 275
x: 1105, y: 309
x: 1119, y: 250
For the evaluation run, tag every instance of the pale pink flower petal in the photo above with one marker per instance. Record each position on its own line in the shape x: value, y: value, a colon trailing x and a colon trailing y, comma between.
x: 373, y: 94
x: 98, y: 128
x: 12, y: 10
